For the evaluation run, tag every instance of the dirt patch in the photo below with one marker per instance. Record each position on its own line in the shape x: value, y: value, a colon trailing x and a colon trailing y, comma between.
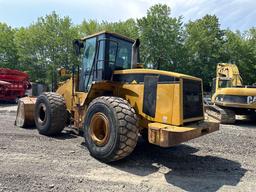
x: 224, y: 160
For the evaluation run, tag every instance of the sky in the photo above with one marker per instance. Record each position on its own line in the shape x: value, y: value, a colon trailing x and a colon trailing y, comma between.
x: 233, y: 14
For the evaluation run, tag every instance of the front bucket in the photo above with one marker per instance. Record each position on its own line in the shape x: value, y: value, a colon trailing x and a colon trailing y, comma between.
x: 25, y: 112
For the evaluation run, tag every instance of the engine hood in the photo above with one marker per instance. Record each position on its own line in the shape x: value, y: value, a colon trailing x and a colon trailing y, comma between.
x: 156, y: 72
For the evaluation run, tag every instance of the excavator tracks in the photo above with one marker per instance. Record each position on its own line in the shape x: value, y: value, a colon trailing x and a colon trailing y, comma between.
x: 222, y: 115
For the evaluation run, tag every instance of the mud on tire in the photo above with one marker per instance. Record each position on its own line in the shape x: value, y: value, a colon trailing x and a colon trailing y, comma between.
x: 122, y: 126
x: 50, y: 113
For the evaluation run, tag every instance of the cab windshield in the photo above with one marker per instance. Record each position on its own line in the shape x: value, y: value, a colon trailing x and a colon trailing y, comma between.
x: 224, y: 83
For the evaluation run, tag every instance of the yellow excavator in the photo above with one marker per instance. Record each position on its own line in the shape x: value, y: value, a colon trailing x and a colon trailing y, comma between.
x: 112, y: 99
x: 230, y: 97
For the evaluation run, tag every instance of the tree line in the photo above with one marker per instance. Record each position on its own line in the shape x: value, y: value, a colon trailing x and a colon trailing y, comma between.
x: 167, y: 43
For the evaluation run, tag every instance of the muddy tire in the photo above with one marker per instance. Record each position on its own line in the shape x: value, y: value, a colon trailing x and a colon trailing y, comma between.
x: 110, y: 128
x: 50, y: 113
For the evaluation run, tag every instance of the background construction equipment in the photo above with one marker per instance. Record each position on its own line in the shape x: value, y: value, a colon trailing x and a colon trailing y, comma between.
x: 229, y: 96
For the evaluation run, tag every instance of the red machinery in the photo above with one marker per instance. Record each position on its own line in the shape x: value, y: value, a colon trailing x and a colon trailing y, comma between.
x: 13, y: 84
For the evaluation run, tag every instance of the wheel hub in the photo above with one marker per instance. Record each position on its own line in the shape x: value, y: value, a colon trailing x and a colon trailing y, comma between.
x: 42, y: 113
x: 99, y: 129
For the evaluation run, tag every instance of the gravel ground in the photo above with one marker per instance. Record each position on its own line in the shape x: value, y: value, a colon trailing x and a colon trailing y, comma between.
x: 8, y: 108
x: 221, y: 161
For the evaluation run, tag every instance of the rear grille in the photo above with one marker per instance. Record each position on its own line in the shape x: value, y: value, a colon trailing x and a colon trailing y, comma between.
x: 192, y: 99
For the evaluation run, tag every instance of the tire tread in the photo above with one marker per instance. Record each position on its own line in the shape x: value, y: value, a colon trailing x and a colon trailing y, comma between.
x: 58, y: 113
x: 128, y: 125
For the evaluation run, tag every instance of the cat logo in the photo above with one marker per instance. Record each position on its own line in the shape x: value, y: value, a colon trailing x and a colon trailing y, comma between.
x: 251, y: 99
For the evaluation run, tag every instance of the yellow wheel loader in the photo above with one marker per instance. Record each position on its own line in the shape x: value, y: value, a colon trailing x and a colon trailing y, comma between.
x: 230, y: 97
x: 112, y: 99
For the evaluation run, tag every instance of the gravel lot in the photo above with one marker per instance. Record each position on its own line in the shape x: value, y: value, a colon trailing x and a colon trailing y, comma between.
x: 222, y: 161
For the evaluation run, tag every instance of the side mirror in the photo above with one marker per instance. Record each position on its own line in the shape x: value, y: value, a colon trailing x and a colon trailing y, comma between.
x: 78, y: 45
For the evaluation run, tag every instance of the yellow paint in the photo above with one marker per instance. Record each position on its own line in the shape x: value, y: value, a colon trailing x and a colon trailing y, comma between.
x: 230, y: 71
x: 71, y: 100
x: 66, y: 91
x: 167, y: 104
x: 153, y: 71
x: 170, y: 127
x: 237, y: 91
x: 170, y: 135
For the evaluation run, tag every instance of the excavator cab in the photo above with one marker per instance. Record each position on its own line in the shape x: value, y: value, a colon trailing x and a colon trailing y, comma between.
x: 223, y: 82
x: 219, y: 83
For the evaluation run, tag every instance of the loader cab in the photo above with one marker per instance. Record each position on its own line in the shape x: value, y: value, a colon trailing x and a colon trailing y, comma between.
x: 101, y: 54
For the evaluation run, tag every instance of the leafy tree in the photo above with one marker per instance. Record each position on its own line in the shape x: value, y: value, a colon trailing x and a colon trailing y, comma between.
x: 89, y: 27
x: 47, y: 45
x: 161, y: 37
x: 204, y: 40
x: 27, y: 43
x: 250, y: 56
x: 240, y: 50
x: 128, y: 28
x: 8, y: 53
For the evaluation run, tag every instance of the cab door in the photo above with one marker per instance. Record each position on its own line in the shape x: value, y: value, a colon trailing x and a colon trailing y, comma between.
x: 93, y: 62
x: 88, y: 61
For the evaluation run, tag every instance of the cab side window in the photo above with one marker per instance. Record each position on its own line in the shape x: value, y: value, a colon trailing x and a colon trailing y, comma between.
x: 120, y: 54
x: 123, y: 60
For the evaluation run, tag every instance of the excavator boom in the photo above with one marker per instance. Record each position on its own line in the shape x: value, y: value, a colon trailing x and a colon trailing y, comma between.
x: 229, y: 71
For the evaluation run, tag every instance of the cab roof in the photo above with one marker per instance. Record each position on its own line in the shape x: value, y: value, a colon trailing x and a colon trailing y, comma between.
x: 110, y: 33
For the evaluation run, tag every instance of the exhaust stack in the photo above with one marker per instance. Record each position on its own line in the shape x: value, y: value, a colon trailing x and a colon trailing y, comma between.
x: 135, y: 53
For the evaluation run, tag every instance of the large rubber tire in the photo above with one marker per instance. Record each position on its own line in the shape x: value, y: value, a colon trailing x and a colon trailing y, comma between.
x: 123, y: 129
x: 50, y: 113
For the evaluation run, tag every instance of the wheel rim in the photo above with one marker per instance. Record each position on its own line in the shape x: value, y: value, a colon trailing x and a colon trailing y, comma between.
x: 42, y: 113
x: 99, y: 129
